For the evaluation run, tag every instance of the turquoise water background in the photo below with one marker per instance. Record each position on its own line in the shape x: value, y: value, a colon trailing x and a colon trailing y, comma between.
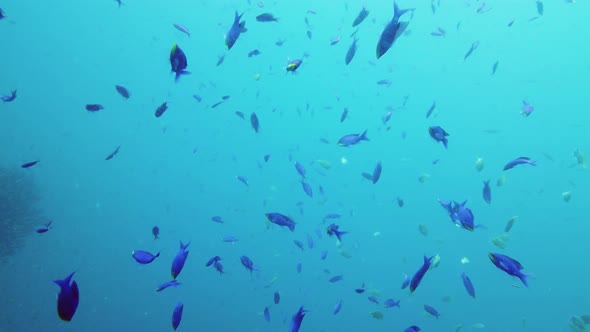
x: 179, y: 170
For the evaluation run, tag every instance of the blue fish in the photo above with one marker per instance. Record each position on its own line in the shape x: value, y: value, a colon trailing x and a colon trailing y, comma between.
x: 29, y: 164
x: 519, y: 161
x: 417, y: 278
x: 487, y: 192
x: 323, y: 255
x: 439, y: 135
x: 431, y: 311
x: 243, y: 179
x: 465, y: 217
x: 412, y: 328
x: 177, y: 315
x: 299, y: 244
x: 2, y: 15
x: 277, y: 297
x: 373, y: 299
x: 360, y: 17
x: 10, y: 97
x: 336, y: 278
x: 178, y: 62
x: 390, y: 303
x: 352, y: 139
x: 299, y: 266
x: 143, y: 257
x: 281, y: 220
x: 338, y: 307
x: 406, y: 282
x: 218, y: 267
x: 212, y: 260
x: 310, y: 243
x: 267, y: 314
x: 376, y: 173
x: 234, y: 32
x: 44, y: 229
x: 333, y: 229
x: 297, y: 319
x: 392, y: 31
x: 510, y: 266
x: 292, y: 66
x: 300, y: 169
x: 351, y: 52
x: 255, y: 122
x: 171, y: 283
x: 68, y: 298
x: 217, y: 219
x: 468, y: 285
x: 179, y: 260
x: 248, y: 264
x: 307, y: 188
x: 230, y: 239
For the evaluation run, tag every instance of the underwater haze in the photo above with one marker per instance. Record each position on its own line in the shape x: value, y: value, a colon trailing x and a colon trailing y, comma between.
x: 318, y: 167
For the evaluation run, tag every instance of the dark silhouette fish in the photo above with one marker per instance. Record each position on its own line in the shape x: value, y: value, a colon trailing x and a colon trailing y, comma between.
x: 360, y: 17
x: 161, y: 109
x: 234, y: 32
x: 296, y: 320
x: 112, y: 154
x: 30, y: 164
x: 392, y: 31
x: 177, y: 315
x: 351, y: 51
x: 123, y: 91
x: 178, y: 62
x: 68, y: 298
x: 267, y: 17
x: 10, y: 97
x: 254, y: 122
x: 94, y: 107
x: 417, y: 278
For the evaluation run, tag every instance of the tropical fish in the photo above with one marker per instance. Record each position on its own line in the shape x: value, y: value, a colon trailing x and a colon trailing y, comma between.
x: 392, y: 31
x: 519, y: 161
x: 292, y: 66
x: 351, y: 52
x: 527, y: 109
x: 431, y: 109
x: 412, y: 328
x: 281, y: 220
x: 254, y: 122
x: 143, y: 257
x: 29, y: 164
x: 94, y: 107
x: 179, y: 260
x: 307, y: 188
x: 67, y: 298
x: 123, y: 91
x: 178, y: 62
x: 439, y: 135
x: 156, y: 232
x: 406, y: 282
x: 177, y: 315
x: 44, y: 229
x: 510, y: 266
x: 277, y: 297
x: 390, y: 303
x: 218, y: 267
x: 360, y: 17
x: 540, y: 7
x: 2, y: 15
x: 254, y: 53
x: 212, y: 261
x: 243, y: 179
x: 234, y: 32
x: 248, y: 264
x: 8, y: 98
x: 161, y: 109
x: 376, y: 172
x: 473, y: 47
x: 266, y: 314
x: 297, y: 319
x: 267, y: 17
x: 337, y: 308
x: 417, y: 278
x: 431, y: 311
x: 352, y: 139
x: 495, y: 67
x: 487, y: 192
x: 171, y: 283
x: 336, y: 278
x: 112, y: 154
x: 182, y: 29
x: 333, y: 229
x: 468, y: 285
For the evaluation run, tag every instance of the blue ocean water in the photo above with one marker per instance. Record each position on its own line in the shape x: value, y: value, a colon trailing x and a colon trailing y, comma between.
x: 179, y: 170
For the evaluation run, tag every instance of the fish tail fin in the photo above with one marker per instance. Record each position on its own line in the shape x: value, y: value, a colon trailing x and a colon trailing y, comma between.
x: 65, y: 282
x: 397, y: 12
x: 524, y: 278
x: 184, y: 72
x: 157, y: 255
x: 445, y: 142
x: 364, y: 136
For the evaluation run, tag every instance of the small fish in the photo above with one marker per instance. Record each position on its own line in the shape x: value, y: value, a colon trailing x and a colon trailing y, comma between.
x: 337, y: 307
x: 390, y: 303
x: 266, y: 157
x: 406, y: 282
x: 30, y: 164
x: 112, y: 154
x: 299, y: 266
x: 360, y: 290
x: 182, y: 29
x: 248, y: 264
x: 495, y: 67
x: 386, y: 117
x: 44, y: 229
x: 171, y: 283
x: 431, y: 311
x: 307, y: 188
x: 119, y: 2
x: 212, y: 261
x: 161, y: 109
x: 234, y: 32
x: 220, y: 60
x: 473, y: 47
x: 384, y: 81
x: 94, y: 107
x: 323, y: 255
x: 540, y: 7
x: 439, y: 135
x: 177, y: 315
x: 178, y: 62
x: 344, y: 115
x: 217, y: 104
x: 277, y: 297
x: 336, y: 278
x: 527, y: 109
x: 351, y: 51
x: 392, y: 31
x: 156, y: 232
x: 333, y: 229
x: 360, y: 17
x: 412, y: 328
x: 417, y: 278
x: 510, y: 266
x: 297, y: 319
x: 144, y: 257
x: 376, y: 172
x: 309, y: 34
x: 400, y: 202
x: 510, y: 224
x: 217, y: 219
x: 179, y: 260
x: 373, y: 299
x: 197, y: 98
x: 243, y: 179
x: 253, y: 53
x: 468, y: 285
x: 298, y: 244
x: 2, y: 15
x: 510, y: 23
x: 292, y: 66
x: 300, y: 169
x: 266, y: 314
x: 439, y: 32
x: 123, y: 91
x: 218, y: 267
x: 230, y: 239
x: 254, y: 122
x: 335, y: 41
x: 67, y: 298
x: 431, y: 109
x: 9, y: 98
x: 487, y: 192
x: 352, y: 139
x: 519, y: 161
x: 267, y: 17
